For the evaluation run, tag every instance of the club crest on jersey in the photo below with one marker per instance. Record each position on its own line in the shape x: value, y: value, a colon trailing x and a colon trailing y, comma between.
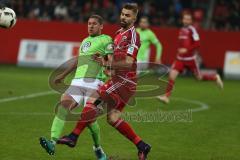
x: 85, y: 46
x: 124, y: 38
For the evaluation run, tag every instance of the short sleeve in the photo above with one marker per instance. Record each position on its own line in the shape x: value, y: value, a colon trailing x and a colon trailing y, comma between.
x: 108, y: 46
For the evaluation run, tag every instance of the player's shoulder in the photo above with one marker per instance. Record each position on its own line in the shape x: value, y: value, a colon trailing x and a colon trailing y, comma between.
x: 194, y: 32
x: 88, y: 38
x: 192, y: 28
x: 106, y: 38
x: 138, y: 29
x: 133, y: 31
x: 129, y: 31
x: 150, y: 32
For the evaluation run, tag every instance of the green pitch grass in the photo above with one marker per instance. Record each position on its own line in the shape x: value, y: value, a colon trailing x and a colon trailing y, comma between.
x: 211, y: 134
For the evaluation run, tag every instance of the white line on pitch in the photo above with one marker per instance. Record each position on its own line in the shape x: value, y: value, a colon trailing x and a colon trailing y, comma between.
x: 203, y: 106
x: 26, y: 96
x: 27, y: 114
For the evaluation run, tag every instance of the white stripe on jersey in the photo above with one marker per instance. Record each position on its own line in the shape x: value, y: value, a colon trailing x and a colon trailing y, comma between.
x: 195, y: 34
x: 133, y: 42
x: 186, y: 58
x: 126, y: 30
x: 113, y: 87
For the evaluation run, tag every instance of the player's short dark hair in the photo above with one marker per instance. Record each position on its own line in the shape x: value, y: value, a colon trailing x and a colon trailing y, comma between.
x: 187, y: 13
x: 131, y: 6
x: 98, y: 18
x: 144, y: 17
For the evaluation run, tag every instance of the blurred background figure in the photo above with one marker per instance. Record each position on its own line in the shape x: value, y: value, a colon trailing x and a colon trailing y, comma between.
x: 147, y: 37
x: 214, y: 14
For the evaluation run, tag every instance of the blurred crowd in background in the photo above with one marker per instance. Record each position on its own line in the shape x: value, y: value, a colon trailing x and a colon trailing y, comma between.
x: 223, y: 15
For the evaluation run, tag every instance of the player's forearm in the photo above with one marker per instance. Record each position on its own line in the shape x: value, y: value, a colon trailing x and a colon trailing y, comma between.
x: 118, y: 65
x: 126, y: 63
x: 159, y: 51
x: 70, y: 68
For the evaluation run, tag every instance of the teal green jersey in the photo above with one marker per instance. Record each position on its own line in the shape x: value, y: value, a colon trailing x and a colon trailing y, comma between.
x: 147, y: 37
x: 87, y: 68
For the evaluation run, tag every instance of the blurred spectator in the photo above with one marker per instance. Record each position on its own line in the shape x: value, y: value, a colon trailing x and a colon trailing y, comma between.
x: 110, y: 12
x: 234, y: 16
x: 61, y: 11
x: 166, y: 13
x: 220, y: 15
x: 35, y: 10
x: 74, y: 10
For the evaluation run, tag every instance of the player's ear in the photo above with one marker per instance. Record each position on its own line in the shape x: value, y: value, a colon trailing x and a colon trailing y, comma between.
x: 101, y: 27
x: 135, y: 18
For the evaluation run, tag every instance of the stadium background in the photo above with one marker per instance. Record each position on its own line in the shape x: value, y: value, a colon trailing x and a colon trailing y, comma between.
x: 26, y: 105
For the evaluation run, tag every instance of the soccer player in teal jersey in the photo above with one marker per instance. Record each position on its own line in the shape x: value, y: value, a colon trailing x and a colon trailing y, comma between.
x: 147, y: 37
x: 88, y: 77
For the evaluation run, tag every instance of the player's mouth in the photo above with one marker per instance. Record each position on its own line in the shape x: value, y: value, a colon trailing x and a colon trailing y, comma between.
x: 123, y: 23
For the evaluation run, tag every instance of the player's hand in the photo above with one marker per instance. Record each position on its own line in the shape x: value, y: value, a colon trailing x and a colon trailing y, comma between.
x: 109, y: 72
x: 182, y: 50
x: 59, y: 79
x: 97, y: 58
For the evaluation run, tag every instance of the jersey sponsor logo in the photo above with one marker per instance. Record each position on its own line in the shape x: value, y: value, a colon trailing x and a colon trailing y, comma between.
x: 130, y: 50
x: 85, y: 47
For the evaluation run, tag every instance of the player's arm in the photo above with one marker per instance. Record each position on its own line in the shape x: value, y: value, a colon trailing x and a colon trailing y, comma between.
x: 123, y: 64
x: 131, y: 53
x: 158, y: 45
x: 71, y: 66
x: 105, y: 58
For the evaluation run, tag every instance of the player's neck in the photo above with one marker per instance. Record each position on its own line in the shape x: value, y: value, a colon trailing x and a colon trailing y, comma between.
x: 127, y: 28
x: 143, y: 29
x: 186, y: 26
x: 95, y: 35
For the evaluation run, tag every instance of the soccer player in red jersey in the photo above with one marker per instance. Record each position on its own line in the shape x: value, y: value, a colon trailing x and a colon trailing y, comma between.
x: 189, y: 42
x: 117, y: 91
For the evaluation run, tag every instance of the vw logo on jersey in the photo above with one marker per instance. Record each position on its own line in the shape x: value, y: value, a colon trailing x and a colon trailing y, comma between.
x: 85, y: 46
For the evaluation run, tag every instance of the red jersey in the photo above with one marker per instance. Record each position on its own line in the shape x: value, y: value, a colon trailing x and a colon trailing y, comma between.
x: 188, y: 38
x: 126, y: 43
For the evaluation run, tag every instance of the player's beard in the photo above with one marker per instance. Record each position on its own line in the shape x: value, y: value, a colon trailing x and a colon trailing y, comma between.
x: 123, y: 24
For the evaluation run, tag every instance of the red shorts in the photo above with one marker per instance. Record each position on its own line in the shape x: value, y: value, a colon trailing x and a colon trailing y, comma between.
x: 117, y: 91
x: 180, y: 65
